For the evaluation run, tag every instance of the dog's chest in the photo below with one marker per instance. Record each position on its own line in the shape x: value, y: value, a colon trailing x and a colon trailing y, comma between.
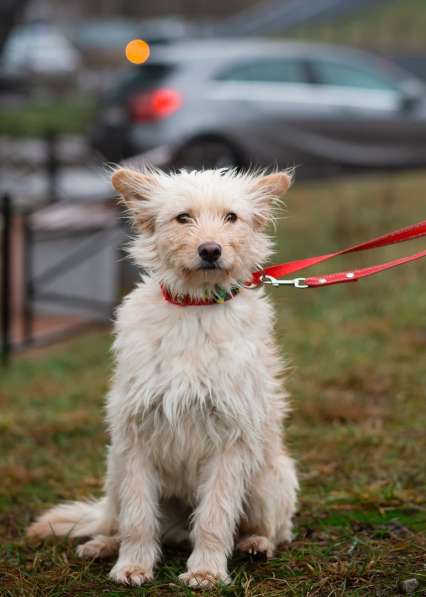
x: 208, y: 364
x: 180, y: 448
x: 188, y: 352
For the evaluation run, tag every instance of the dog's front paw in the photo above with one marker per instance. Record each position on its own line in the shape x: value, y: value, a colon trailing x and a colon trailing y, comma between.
x: 131, y: 574
x: 256, y: 545
x: 202, y: 579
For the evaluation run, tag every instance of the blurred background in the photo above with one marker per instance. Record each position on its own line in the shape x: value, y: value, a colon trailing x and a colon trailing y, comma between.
x: 333, y: 87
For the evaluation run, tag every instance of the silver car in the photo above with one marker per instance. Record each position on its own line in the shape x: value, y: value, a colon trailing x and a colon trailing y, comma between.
x: 242, y: 102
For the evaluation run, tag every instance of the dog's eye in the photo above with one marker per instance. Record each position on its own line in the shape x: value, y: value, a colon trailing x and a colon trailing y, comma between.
x: 183, y: 218
x: 231, y: 217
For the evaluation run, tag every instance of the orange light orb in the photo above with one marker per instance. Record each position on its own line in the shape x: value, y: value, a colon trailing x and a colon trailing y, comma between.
x: 137, y: 51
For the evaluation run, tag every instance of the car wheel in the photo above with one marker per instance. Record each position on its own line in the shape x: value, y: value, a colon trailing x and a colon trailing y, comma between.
x: 207, y: 153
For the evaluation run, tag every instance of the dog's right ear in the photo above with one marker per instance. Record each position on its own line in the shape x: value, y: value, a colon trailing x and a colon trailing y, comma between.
x: 135, y: 189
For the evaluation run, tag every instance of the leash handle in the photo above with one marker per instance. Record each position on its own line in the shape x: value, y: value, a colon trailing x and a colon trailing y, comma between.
x: 269, y: 275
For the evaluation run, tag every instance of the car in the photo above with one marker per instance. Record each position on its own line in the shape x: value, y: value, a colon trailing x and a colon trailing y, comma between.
x: 244, y: 102
x: 38, y: 50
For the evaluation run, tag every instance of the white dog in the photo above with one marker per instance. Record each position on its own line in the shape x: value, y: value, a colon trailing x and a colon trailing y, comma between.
x: 196, y: 407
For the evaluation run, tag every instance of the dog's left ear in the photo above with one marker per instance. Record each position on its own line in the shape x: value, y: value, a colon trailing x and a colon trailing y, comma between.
x: 275, y: 185
x: 269, y: 188
x: 134, y: 188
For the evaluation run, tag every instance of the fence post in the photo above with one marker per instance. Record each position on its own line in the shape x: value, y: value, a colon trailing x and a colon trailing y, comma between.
x: 52, y: 165
x: 6, y: 283
x: 28, y: 316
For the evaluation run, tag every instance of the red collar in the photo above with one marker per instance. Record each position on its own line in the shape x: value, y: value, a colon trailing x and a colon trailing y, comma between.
x: 184, y: 300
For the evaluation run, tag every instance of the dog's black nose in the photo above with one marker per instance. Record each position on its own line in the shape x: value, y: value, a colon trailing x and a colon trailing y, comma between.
x: 210, y: 252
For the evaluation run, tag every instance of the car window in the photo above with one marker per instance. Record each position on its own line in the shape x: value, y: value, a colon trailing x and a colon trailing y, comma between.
x: 139, y: 78
x: 338, y: 74
x: 266, y: 71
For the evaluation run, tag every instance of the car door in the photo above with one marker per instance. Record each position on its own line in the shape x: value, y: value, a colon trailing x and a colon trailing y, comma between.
x: 359, y: 115
x: 265, y: 102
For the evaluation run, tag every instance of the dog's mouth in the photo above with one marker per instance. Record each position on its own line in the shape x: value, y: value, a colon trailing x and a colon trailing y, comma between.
x: 206, y: 265
x: 218, y: 267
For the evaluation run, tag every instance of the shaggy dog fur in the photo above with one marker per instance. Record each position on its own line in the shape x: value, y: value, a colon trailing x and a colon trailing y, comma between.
x: 196, y: 408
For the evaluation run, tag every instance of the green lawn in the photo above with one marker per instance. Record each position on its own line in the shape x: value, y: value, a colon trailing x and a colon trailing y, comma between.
x: 394, y: 24
x: 358, y: 356
x: 63, y: 116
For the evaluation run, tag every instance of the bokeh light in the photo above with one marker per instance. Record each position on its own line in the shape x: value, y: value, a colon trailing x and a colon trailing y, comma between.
x: 137, y: 51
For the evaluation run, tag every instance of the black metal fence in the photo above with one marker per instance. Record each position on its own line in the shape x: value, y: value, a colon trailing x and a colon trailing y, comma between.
x: 51, y: 252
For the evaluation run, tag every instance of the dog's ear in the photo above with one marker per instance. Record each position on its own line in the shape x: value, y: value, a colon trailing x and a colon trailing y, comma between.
x: 275, y: 185
x: 135, y: 189
x: 269, y: 189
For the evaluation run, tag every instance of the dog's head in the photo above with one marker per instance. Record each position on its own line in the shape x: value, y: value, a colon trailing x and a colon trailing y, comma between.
x: 197, y: 230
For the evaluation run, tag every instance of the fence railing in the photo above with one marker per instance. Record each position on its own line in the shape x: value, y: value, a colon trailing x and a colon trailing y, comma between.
x: 47, y: 258
x: 52, y: 252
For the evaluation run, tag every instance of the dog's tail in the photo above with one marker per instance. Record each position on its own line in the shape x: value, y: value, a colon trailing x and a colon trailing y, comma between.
x: 73, y: 519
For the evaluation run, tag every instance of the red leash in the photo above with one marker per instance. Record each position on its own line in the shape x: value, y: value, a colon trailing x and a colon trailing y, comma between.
x: 269, y: 275
x: 273, y: 275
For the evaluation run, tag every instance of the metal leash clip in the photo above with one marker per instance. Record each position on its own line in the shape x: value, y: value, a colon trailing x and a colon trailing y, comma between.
x: 295, y: 282
x: 266, y: 279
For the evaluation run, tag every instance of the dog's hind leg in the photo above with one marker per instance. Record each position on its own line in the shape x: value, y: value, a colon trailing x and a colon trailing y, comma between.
x: 270, y: 507
x: 101, y: 546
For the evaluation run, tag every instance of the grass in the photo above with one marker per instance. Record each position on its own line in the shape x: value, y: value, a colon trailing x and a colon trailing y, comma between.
x: 64, y: 116
x: 394, y: 24
x: 358, y: 427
